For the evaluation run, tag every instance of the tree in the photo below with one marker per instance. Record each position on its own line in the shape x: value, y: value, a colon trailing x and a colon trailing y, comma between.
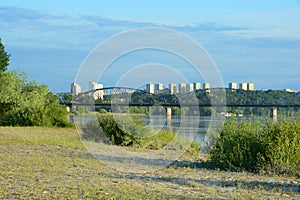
x: 4, y: 58
x: 26, y: 103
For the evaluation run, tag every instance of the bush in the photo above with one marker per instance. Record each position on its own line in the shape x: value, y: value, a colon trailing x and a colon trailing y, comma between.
x: 254, y: 146
x: 239, y: 147
x: 283, y: 151
x: 123, y: 133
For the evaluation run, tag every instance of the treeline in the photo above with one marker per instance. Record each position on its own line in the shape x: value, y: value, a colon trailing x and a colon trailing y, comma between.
x: 24, y: 102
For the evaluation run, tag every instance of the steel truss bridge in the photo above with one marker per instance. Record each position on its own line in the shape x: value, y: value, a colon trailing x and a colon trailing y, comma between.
x: 122, y: 96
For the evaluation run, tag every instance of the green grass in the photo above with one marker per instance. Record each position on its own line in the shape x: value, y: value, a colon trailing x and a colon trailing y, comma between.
x: 52, y: 163
x: 41, y: 135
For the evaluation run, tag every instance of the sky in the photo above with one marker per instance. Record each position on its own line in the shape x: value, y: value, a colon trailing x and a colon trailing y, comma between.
x: 249, y: 41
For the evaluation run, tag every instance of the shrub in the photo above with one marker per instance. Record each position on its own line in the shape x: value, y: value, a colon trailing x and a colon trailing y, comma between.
x: 239, y: 147
x: 254, y: 146
x: 123, y: 133
x: 283, y: 151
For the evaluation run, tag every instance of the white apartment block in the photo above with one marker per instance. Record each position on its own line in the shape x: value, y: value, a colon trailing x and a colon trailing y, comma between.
x: 250, y: 86
x: 232, y: 86
x: 197, y: 86
x: 172, y: 88
x: 244, y: 86
x: 189, y: 87
x: 75, y: 89
x: 182, y: 88
x: 158, y: 88
x: 150, y: 88
x: 206, y: 86
x: 96, y: 86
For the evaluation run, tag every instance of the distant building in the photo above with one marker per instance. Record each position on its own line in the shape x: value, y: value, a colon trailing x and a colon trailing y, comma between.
x: 244, y: 86
x: 232, y: 86
x: 289, y: 90
x: 75, y: 89
x: 182, y: 88
x: 206, y: 86
x: 197, y: 86
x: 158, y: 88
x: 150, y: 88
x: 250, y: 86
x: 189, y: 87
x: 172, y: 88
x: 95, y: 86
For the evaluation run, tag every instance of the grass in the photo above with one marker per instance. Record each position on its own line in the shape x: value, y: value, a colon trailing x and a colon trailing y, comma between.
x: 52, y: 163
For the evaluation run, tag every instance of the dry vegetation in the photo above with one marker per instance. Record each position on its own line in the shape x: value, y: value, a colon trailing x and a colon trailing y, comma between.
x: 52, y: 163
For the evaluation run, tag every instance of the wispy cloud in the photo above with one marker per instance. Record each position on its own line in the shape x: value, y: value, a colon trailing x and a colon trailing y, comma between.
x: 31, y: 28
x: 241, y: 50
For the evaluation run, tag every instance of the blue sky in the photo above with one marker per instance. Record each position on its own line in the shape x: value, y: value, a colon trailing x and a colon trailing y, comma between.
x: 252, y: 41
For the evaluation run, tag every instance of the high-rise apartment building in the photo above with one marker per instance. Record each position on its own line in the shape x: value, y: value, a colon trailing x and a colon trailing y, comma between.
x: 244, y: 86
x: 206, y: 86
x: 189, y: 87
x: 75, y: 89
x: 250, y: 86
x: 98, y: 94
x: 197, y: 86
x: 232, y: 86
x: 158, y: 88
x: 182, y: 88
x: 150, y: 88
x: 172, y: 88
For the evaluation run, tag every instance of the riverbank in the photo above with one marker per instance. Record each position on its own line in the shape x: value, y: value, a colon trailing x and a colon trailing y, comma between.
x: 52, y: 163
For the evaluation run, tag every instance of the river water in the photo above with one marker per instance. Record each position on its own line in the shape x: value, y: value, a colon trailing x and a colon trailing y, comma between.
x: 196, y: 128
x: 190, y: 127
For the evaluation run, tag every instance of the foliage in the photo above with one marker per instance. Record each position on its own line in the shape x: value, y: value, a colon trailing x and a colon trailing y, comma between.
x: 255, y: 146
x: 93, y: 132
x: 123, y: 133
x: 25, y: 103
x: 283, y: 141
x: 159, y: 140
x: 4, y: 58
x: 239, y: 147
x: 138, y: 109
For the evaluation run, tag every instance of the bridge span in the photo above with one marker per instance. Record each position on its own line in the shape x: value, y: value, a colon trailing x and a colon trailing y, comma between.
x: 102, y: 97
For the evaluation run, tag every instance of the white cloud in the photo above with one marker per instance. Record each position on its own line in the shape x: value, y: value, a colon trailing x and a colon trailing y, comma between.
x: 246, y: 46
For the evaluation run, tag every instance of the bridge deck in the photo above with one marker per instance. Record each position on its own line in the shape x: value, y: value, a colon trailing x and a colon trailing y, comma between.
x: 179, y: 105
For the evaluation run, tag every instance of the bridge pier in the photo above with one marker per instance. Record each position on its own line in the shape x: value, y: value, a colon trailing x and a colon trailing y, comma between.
x: 169, y: 111
x: 169, y: 116
x: 68, y: 108
x: 273, y: 114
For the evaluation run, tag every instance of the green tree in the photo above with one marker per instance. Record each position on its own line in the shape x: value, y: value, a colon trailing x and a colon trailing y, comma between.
x: 11, y: 84
x: 4, y: 58
x: 26, y: 103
